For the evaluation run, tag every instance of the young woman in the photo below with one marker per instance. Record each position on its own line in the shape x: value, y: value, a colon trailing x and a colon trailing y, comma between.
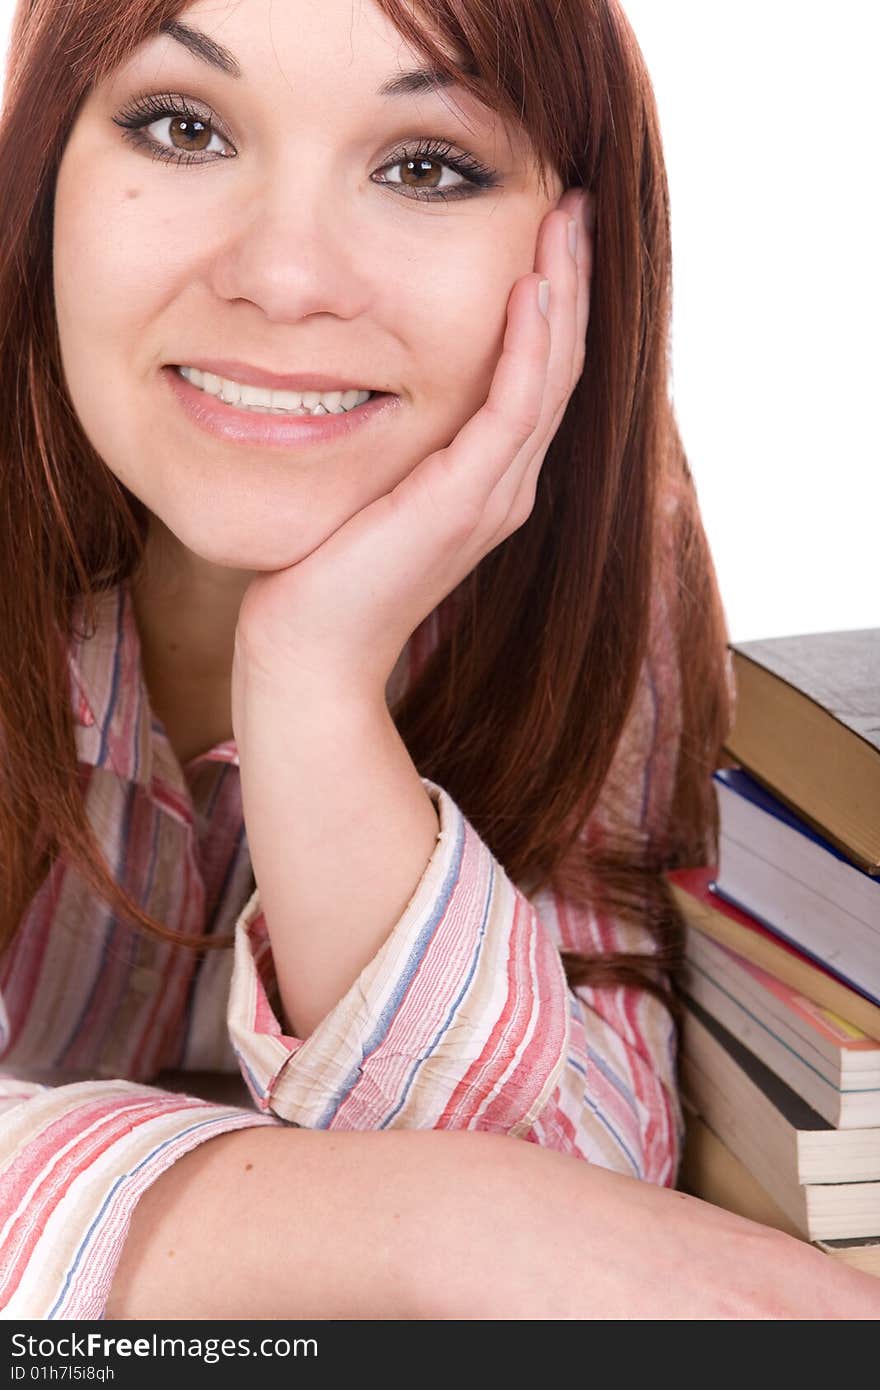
x: 361, y: 669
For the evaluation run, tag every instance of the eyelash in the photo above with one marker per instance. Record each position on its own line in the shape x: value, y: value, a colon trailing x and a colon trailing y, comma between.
x: 144, y: 110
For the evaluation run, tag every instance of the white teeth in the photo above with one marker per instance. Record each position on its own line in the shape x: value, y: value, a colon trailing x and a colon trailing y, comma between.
x: 274, y: 402
x: 281, y: 400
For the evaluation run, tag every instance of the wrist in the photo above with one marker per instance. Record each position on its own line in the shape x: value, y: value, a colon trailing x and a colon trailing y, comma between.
x: 304, y: 687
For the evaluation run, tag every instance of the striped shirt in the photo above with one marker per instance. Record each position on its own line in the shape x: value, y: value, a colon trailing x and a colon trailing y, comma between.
x: 462, y: 1020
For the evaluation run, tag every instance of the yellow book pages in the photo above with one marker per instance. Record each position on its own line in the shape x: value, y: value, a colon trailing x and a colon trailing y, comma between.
x: 807, y: 755
x: 710, y: 1171
x: 863, y: 1255
x: 722, y: 925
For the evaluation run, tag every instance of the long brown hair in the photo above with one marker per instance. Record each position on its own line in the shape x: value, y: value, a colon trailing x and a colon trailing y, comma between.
x: 523, y: 747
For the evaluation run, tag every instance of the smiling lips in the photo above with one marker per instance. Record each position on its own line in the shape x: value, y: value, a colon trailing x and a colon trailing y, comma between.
x: 258, y: 398
x: 219, y: 405
x: 245, y: 375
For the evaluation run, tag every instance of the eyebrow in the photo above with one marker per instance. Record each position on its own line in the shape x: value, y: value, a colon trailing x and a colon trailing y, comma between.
x: 413, y: 82
x: 200, y: 46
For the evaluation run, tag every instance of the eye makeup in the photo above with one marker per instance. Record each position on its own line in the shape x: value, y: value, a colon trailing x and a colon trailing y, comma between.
x: 414, y: 157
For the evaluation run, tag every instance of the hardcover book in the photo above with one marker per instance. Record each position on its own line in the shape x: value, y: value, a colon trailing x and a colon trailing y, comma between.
x: 771, y: 864
x: 710, y: 1171
x: 807, y: 725
x: 826, y: 1180
x: 700, y: 905
x: 831, y: 1065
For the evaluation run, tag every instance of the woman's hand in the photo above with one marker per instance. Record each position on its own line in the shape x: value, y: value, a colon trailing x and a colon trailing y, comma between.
x: 344, y: 613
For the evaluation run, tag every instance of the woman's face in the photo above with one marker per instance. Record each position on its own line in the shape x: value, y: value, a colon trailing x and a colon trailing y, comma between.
x: 286, y: 232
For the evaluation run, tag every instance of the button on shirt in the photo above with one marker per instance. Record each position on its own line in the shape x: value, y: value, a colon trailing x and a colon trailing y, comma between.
x: 462, y: 1020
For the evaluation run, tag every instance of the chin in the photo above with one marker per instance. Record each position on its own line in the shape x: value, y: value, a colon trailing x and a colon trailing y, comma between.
x: 241, y: 553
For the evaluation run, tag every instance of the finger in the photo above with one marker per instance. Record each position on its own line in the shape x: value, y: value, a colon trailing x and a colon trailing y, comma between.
x: 444, y: 499
x: 566, y: 270
x: 582, y: 205
x: 513, y: 453
x: 463, y: 476
x: 570, y: 338
x: 582, y: 208
x: 585, y: 266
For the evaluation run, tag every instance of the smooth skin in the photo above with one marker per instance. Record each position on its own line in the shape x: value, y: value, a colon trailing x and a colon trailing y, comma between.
x: 337, y: 1225
x: 291, y: 244
x: 340, y: 825
x: 291, y: 583
x: 276, y: 1223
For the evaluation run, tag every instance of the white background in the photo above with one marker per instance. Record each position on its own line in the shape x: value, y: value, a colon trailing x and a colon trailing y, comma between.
x: 768, y: 110
x: 768, y: 113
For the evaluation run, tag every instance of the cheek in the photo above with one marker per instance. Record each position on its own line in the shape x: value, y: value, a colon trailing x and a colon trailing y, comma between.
x: 111, y: 264
x: 107, y: 286
x: 460, y: 325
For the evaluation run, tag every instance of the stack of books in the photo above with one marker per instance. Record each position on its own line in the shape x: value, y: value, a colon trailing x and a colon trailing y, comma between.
x: 780, y: 1058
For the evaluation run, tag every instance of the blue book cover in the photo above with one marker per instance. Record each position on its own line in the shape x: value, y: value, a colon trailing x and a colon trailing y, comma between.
x: 739, y: 782
x: 873, y: 996
x: 745, y: 786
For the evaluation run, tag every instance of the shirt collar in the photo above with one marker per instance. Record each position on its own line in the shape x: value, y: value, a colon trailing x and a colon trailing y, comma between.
x: 115, y: 727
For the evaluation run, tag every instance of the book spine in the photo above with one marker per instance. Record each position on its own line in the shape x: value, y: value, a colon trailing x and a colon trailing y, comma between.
x: 745, y: 1121
x: 783, y: 962
x: 784, y: 1158
x: 851, y: 949
x: 776, y: 1050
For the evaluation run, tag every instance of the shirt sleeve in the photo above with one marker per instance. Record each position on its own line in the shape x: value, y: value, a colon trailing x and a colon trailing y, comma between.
x: 464, y: 1020
x: 74, y: 1159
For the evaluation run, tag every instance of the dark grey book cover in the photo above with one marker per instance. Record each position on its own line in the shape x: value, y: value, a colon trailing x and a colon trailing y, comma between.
x: 838, y: 670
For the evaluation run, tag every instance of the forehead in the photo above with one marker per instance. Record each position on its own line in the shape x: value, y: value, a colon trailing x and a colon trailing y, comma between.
x: 336, y: 63
x: 345, y: 53
x: 252, y: 41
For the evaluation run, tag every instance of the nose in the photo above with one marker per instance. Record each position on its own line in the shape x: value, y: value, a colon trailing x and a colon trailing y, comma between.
x: 292, y: 245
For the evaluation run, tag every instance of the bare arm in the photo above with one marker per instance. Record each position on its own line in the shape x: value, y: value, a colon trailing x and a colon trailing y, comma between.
x: 421, y: 1224
x: 340, y: 828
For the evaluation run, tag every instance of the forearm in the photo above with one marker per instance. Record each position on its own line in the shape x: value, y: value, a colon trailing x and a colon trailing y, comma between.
x: 340, y: 829
x: 406, y: 1225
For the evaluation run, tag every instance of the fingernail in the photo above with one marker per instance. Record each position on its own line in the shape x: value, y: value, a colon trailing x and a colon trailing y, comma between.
x: 572, y: 236
x: 544, y: 296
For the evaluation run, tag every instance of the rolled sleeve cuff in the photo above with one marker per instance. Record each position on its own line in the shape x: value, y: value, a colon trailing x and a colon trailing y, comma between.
x: 439, y: 1030
x: 74, y: 1160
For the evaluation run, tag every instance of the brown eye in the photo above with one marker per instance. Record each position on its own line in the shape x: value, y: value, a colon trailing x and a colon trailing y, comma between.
x: 168, y: 128
x: 420, y: 173
x: 189, y: 135
x: 434, y: 172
